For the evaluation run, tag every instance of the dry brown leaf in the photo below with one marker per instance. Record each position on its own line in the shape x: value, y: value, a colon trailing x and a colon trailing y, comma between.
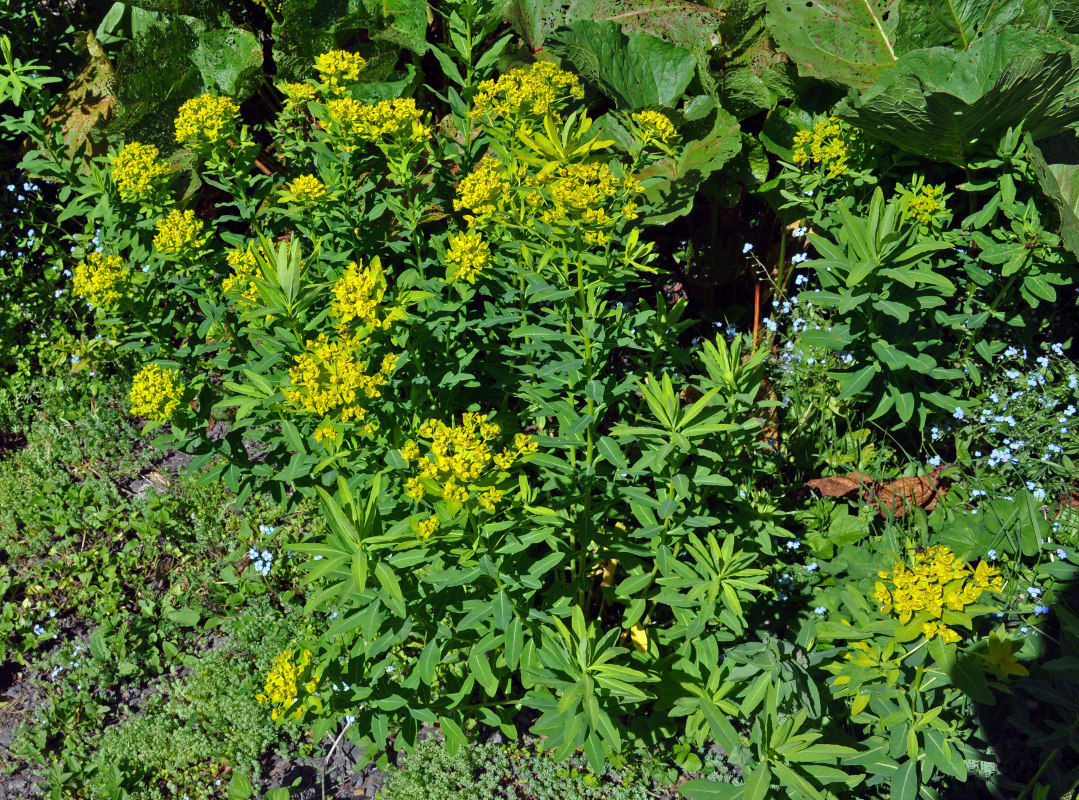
x: 896, y: 497
x: 840, y: 485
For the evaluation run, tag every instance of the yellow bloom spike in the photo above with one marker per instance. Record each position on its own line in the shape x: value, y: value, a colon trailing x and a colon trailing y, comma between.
x: 138, y: 172
x: 338, y: 68
x: 180, y: 234
x: 206, y: 121
x: 101, y: 280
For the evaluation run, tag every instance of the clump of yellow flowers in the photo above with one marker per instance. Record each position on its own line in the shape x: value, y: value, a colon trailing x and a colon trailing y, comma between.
x: 206, y: 121
x: 180, y: 234
x: 468, y: 254
x: 538, y: 91
x: 305, y: 190
x: 654, y: 127
x: 338, y: 68
x: 386, y: 122
x: 358, y: 295
x: 102, y: 279
x: 827, y: 144
x: 334, y: 376
x: 284, y: 683
x: 298, y: 95
x: 156, y: 392
x: 936, y: 581
x: 483, y: 190
x: 925, y: 204
x: 138, y: 172
x: 461, y: 461
x: 244, y: 270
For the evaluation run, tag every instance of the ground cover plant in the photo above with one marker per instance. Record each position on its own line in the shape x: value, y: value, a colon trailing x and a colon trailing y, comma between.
x: 474, y: 448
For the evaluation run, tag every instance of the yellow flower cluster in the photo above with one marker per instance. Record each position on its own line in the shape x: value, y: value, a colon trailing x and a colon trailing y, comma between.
x: 482, y: 190
x: 937, y: 580
x: 180, y: 234
x: 338, y: 68
x: 655, y: 127
x: 358, y: 293
x: 461, y: 461
x: 156, y: 392
x: 827, y: 144
x: 306, y: 189
x: 426, y: 527
x: 244, y: 271
x: 331, y: 376
x: 102, y: 280
x: 138, y: 172
x: 206, y: 120
x: 586, y: 195
x: 469, y: 254
x: 925, y: 205
x: 298, y: 95
x: 284, y: 682
x: 393, y: 120
x: 540, y: 90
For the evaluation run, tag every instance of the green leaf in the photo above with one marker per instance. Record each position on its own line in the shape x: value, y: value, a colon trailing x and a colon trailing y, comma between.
x: 758, y: 782
x: 1060, y: 181
x: 710, y: 790
x: 953, y: 23
x: 791, y: 777
x: 949, y: 105
x: 905, y: 782
x: 230, y: 61
x: 969, y: 679
x: 240, y: 787
x: 186, y: 617
x: 849, y: 42
x: 854, y: 383
x: 635, y: 70
x: 722, y: 730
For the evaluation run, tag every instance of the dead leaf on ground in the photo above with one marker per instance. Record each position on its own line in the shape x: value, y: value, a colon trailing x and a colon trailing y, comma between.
x: 896, y: 497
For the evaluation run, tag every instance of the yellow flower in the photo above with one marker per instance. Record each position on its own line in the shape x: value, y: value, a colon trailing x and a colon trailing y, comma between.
x: 1001, y: 657
x: 453, y: 493
x: 298, y: 95
x: 180, y: 234
x: 394, y: 121
x: 284, y: 682
x: 102, y: 280
x: 639, y: 637
x: 414, y: 488
x: 484, y: 189
x: 156, y: 393
x: 306, y: 189
x: 357, y: 295
x: 138, y: 172
x: 411, y: 451
x: 206, y: 121
x: 426, y: 527
x: 244, y: 271
x: 654, y: 127
x: 334, y: 376
x: 924, y: 206
x: 325, y: 433
x: 469, y: 254
x: 827, y: 145
x: 338, y: 68
x: 542, y: 89
x: 490, y: 499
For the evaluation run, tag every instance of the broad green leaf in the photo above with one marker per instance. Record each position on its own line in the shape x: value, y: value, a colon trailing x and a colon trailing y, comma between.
x: 905, y: 781
x: 953, y: 23
x: 849, y: 42
x: 635, y: 70
x: 758, y: 782
x: 1060, y: 181
x: 230, y: 61
x: 949, y: 105
x: 711, y: 790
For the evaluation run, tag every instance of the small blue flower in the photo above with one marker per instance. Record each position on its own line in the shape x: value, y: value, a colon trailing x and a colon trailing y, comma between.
x: 1043, y: 610
x: 770, y: 324
x: 794, y: 545
x: 992, y: 554
x: 1058, y: 348
x: 811, y: 567
x: 266, y: 530
x: 799, y: 258
x: 747, y: 247
x: 1062, y: 554
x: 38, y: 630
x: 959, y: 413
x: 935, y: 461
x: 1043, y: 361
x: 821, y: 610
x: 252, y: 553
x: 1034, y: 591
x: 800, y: 280
x: 1024, y: 629
x: 798, y: 233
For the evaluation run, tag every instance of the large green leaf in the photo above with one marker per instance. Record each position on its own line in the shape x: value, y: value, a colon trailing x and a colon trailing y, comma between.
x: 688, y: 25
x: 947, y: 104
x: 1060, y: 181
x: 849, y: 42
x: 230, y: 61
x: 953, y: 23
x: 636, y: 70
